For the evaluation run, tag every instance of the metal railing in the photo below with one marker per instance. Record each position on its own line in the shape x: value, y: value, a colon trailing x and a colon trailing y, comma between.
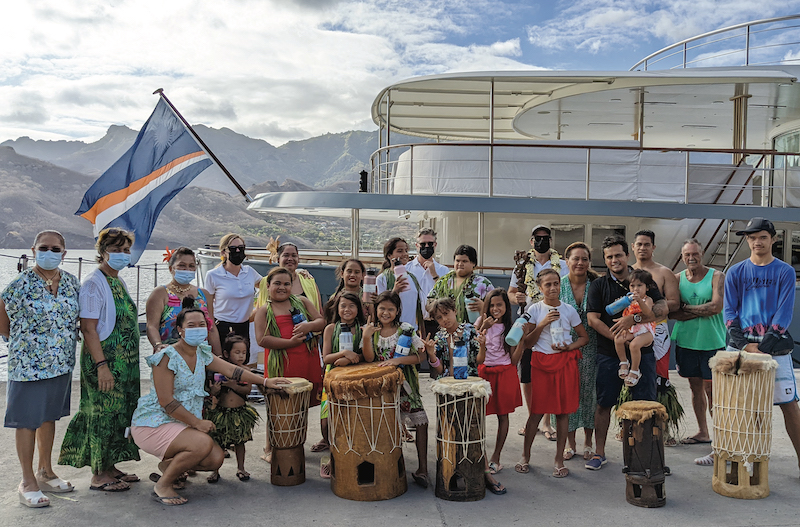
x: 759, y: 42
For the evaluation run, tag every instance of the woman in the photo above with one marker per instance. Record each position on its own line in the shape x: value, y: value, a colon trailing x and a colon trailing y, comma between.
x: 164, y: 303
x: 573, y: 292
x: 407, y: 286
x: 351, y: 277
x: 231, y: 286
x: 39, y: 315
x: 461, y: 283
x: 167, y: 422
x: 303, y: 284
x: 109, y: 370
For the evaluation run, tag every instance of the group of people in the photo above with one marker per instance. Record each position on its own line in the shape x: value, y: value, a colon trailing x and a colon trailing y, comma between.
x: 566, y: 356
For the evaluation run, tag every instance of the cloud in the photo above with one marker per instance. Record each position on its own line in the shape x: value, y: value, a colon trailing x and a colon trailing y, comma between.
x: 27, y: 108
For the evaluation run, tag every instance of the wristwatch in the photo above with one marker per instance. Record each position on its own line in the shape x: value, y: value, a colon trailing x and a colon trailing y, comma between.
x: 637, y: 318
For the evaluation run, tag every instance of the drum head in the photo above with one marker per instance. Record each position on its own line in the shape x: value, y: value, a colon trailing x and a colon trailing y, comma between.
x: 362, y: 380
x: 298, y: 385
x: 452, y: 386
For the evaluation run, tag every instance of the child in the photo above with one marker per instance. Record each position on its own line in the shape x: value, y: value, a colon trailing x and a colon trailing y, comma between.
x: 351, y: 280
x: 640, y: 335
x: 380, y: 341
x: 233, y: 418
x: 347, y: 311
x: 555, y: 382
x: 440, y: 355
x: 497, y: 363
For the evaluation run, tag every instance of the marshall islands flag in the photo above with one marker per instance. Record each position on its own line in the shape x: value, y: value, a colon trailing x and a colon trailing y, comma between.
x: 131, y: 194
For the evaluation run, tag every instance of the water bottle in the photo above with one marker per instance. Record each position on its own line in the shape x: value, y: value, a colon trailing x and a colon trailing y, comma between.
x: 618, y: 305
x: 399, y: 269
x: 297, y: 318
x: 369, y: 285
x: 557, y: 331
x: 403, y: 346
x: 470, y: 299
x: 345, y: 339
x: 515, y: 333
x: 460, y: 361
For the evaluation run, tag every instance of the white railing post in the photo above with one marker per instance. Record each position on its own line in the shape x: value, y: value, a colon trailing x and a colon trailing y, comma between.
x: 686, y: 184
x: 588, y: 163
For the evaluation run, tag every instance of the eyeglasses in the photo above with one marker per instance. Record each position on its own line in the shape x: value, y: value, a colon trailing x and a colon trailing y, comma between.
x: 426, y: 244
x: 236, y: 248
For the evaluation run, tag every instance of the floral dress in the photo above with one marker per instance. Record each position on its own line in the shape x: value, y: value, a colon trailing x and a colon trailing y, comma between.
x: 467, y: 332
x: 473, y: 285
x: 410, y: 398
x: 96, y: 435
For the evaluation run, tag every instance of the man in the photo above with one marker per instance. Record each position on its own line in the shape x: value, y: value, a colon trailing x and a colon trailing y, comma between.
x: 699, y: 332
x: 524, y: 295
x: 426, y: 270
x: 602, y: 292
x: 759, y: 299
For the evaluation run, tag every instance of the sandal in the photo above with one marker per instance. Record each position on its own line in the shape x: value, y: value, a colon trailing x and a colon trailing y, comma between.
x: 521, y: 431
x: 127, y: 478
x: 214, y: 477
x: 407, y: 437
x: 111, y: 486
x: 495, y: 468
x: 178, y: 485
x: 496, y: 488
x: 267, y: 456
x: 55, y: 485
x: 705, y: 461
x: 325, y: 468
x: 421, y: 480
x: 568, y: 454
x: 320, y: 446
x: 633, y: 378
x: 551, y: 436
x: 560, y: 472
x: 170, y: 501
x: 34, y: 499
x: 587, y: 452
x: 624, y: 369
x: 242, y: 475
x: 522, y: 467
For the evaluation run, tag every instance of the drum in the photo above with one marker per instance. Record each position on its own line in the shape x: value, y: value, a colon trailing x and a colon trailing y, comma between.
x: 287, y: 423
x: 743, y: 389
x: 643, y: 452
x: 366, y: 444
x: 461, y: 438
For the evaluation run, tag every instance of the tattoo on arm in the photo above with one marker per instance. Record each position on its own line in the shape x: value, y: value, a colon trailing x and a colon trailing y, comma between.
x: 660, y: 309
x: 237, y: 374
x: 172, y: 406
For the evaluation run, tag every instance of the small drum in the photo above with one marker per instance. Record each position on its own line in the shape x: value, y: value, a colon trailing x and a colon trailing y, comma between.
x: 287, y: 423
x: 743, y: 388
x: 461, y: 437
x: 366, y: 445
x: 643, y: 452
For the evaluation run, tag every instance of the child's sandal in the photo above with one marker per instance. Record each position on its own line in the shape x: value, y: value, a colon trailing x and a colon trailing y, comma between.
x: 633, y: 378
x: 624, y: 369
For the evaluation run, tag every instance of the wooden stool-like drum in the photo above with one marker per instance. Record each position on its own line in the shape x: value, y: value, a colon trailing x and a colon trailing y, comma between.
x: 366, y: 444
x: 643, y: 452
x: 287, y: 424
x: 744, y: 384
x: 461, y: 438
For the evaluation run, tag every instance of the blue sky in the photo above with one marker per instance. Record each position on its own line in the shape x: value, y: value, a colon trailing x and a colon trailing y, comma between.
x: 283, y: 70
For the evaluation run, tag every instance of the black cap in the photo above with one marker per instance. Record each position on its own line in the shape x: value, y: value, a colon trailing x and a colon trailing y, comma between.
x: 758, y: 225
x: 540, y: 228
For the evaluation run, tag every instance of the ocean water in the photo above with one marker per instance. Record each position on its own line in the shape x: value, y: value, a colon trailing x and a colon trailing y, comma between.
x: 141, y: 280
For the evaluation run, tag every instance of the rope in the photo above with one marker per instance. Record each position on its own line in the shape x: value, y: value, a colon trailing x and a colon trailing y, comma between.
x: 474, y: 412
x: 288, y: 429
x: 348, y: 415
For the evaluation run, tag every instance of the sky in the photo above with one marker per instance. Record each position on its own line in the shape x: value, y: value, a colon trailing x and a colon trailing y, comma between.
x: 283, y: 70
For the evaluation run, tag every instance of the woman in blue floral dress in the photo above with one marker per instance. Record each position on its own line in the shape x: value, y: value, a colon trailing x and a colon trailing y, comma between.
x: 39, y: 316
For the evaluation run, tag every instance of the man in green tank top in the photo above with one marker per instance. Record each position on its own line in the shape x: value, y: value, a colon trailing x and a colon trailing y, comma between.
x: 699, y: 332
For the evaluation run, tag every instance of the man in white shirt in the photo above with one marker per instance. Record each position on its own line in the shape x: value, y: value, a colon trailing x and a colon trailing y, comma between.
x: 426, y: 270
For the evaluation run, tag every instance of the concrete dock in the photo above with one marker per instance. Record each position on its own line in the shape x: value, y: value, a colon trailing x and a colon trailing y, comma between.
x: 584, y: 498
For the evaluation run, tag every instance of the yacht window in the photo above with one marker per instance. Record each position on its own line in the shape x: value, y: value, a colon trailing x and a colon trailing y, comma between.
x: 565, y: 234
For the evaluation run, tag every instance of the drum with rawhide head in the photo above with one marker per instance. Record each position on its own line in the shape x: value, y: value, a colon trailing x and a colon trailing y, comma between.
x: 366, y: 444
x: 643, y: 452
x: 287, y: 424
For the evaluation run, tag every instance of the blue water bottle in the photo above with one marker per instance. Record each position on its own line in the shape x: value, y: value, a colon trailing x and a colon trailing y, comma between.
x: 618, y: 305
x: 460, y: 361
x: 469, y: 299
x: 515, y: 333
x: 403, y: 346
x: 297, y: 318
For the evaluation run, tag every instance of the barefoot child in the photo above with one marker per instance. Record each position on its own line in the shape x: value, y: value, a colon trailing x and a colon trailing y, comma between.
x: 497, y: 363
x: 555, y: 383
x: 233, y: 418
x: 440, y: 356
x: 640, y: 335
x: 380, y: 342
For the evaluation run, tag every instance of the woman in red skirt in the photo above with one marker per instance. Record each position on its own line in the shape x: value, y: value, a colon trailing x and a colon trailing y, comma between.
x: 555, y: 383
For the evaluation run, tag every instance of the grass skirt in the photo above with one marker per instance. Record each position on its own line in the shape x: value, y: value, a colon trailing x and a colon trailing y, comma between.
x: 234, y: 425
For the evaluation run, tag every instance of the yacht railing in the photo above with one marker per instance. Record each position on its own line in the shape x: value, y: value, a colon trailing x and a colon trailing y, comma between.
x: 756, y: 178
x: 761, y: 42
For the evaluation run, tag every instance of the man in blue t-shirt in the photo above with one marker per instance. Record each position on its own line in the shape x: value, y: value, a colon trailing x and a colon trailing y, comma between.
x: 759, y: 299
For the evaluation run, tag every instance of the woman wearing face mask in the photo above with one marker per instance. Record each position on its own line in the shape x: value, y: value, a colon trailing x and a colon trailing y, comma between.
x: 109, y: 370
x: 165, y: 302
x: 168, y: 421
x: 39, y: 316
x: 231, y: 287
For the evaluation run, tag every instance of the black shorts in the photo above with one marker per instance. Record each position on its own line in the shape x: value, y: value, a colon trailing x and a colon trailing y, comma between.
x: 609, y: 384
x: 693, y: 363
x: 525, y: 367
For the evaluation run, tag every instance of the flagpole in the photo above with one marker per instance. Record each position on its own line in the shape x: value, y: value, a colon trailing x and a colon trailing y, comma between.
x: 205, y: 148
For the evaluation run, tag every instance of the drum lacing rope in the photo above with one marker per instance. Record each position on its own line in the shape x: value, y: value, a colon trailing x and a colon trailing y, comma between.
x: 347, y: 414
x: 463, y: 423
x: 289, y: 430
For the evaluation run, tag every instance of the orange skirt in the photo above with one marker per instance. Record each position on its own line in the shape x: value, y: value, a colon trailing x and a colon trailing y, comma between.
x: 506, y: 395
x: 555, y: 382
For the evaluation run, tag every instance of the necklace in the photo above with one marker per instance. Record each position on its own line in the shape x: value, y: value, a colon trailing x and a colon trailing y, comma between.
x: 48, y: 281
x: 178, y: 290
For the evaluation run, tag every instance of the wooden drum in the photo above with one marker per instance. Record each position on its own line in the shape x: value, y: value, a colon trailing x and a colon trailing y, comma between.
x: 743, y: 389
x: 461, y: 437
x: 643, y: 452
x: 366, y: 444
x: 287, y: 424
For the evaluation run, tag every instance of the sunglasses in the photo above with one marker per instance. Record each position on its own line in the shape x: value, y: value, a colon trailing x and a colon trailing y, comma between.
x: 427, y: 244
x: 236, y: 248
x: 54, y: 248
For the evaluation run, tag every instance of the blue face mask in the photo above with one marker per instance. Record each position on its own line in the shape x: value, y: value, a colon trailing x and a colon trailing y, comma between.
x: 48, y: 260
x: 184, y: 277
x: 195, y: 336
x: 118, y: 261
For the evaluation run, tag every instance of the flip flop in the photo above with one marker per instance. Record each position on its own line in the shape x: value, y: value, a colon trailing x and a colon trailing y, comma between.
x: 164, y: 500
x: 587, y: 452
x: 671, y: 442
x: 242, y: 475
x: 55, y: 485
x: 127, y: 478
x: 551, y: 436
x: 325, y: 468
x: 521, y: 431
x: 560, y: 472
x: 214, y: 477
x: 421, y: 479
x: 495, y: 468
x: 522, y: 467
x: 105, y: 487
x: 266, y: 456
x: 694, y: 441
x: 178, y: 485
x: 320, y: 446
x: 496, y: 488
x: 34, y: 499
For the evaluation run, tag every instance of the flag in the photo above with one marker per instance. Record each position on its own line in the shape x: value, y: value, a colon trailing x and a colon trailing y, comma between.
x: 131, y: 194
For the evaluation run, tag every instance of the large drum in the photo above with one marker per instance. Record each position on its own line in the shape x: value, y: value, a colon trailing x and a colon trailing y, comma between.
x: 287, y: 424
x: 366, y: 444
x: 643, y: 452
x: 743, y: 389
x: 461, y: 437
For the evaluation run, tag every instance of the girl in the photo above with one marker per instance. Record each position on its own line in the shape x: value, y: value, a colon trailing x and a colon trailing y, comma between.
x: 406, y: 286
x: 348, y: 312
x: 379, y: 344
x: 233, y: 418
x: 351, y: 277
x: 640, y: 335
x: 497, y: 363
x: 554, y: 365
x: 440, y: 356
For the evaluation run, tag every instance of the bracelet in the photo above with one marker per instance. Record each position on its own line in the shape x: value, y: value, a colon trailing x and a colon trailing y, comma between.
x: 265, y: 381
x: 98, y: 364
x: 434, y: 364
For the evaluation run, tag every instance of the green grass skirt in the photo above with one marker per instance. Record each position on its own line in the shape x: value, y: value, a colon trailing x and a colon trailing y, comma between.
x: 234, y: 425
x: 667, y: 396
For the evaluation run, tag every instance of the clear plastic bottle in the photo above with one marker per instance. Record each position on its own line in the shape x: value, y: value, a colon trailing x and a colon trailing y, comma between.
x: 557, y: 331
x: 345, y: 339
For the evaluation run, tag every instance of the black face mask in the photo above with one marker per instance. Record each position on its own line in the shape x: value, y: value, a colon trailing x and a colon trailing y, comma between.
x: 426, y: 252
x: 236, y: 256
x: 541, y: 244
